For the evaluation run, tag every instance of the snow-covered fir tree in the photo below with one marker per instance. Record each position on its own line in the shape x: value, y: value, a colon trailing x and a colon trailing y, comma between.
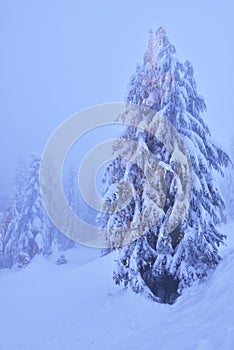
x: 1, y: 240
x: 29, y: 231
x: 72, y: 199
x: 227, y: 184
x: 26, y: 229
x: 9, y: 227
x: 162, y: 259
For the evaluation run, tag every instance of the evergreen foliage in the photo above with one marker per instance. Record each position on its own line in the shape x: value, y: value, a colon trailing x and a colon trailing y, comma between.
x: 26, y: 229
x: 162, y: 261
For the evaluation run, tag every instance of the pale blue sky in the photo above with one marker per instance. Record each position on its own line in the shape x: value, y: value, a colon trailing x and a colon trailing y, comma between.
x: 58, y: 57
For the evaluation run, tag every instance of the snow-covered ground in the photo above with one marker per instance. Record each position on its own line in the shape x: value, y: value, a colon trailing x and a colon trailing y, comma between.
x: 77, y: 307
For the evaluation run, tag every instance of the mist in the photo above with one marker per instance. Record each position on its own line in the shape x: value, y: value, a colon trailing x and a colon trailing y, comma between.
x: 60, y: 57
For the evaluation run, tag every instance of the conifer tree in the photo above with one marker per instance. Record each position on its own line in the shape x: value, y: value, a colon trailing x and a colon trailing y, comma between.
x: 2, y: 263
x: 227, y: 184
x: 26, y: 229
x: 64, y: 242
x: 162, y: 259
x: 29, y: 231
x: 11, y: 215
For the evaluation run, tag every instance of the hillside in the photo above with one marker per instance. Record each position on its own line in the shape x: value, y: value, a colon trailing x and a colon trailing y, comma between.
x: 77, y: 306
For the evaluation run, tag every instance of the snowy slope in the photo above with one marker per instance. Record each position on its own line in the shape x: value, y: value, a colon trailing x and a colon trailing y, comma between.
x: 77, y: 307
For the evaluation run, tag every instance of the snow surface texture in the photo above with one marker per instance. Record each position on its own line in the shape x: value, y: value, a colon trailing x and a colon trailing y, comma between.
x: 76, y: 306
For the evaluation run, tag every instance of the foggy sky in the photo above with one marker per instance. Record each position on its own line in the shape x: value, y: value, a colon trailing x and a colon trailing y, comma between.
x: 58, y: 57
